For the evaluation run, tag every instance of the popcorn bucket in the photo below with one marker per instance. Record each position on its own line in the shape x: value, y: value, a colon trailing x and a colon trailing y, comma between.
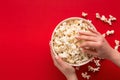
x: 64, y: 43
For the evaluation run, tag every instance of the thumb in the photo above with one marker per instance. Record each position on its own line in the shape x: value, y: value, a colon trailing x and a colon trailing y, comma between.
x: 60, y: 61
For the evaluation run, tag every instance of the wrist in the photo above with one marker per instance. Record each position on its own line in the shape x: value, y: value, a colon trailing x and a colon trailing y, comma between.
x: 115, y: 57
x: 111, y: 54
x: 72, y: 77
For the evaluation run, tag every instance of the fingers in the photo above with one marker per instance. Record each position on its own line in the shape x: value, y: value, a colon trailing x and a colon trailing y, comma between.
x: 93, y: 31
x: 89, y: 51
x: 52, y: 54
x: 88, y: 44
x: 51, y: 51
x: 87, y: 33
x: 61, y: 62
x: 58, y: 62
x: 84, y: 37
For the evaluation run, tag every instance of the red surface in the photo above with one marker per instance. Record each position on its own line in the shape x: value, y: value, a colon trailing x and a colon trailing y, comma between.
x: 25, y: 30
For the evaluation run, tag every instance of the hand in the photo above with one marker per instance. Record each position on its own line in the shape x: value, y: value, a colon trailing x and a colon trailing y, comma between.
x: 66, y: 69
x: 95, y: 44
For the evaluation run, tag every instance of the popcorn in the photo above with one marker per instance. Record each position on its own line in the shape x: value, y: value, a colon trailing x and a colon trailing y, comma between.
x: 104, y: 35
x: 65, y: 43
x: 110, y: 32
x: 97, y: 62
x: 103, y: 18
x: 90, y: 21
x: 77, y: 67
x: 84, y: 14
x: 85, y: 75
x: 106, y: 20
x: 109, y: 22
x: 90, y: 68
x: 116, y: 47
x: 117, y: 44
x: 63, y: 55
x: 97, y: 15
x: 112, y: 18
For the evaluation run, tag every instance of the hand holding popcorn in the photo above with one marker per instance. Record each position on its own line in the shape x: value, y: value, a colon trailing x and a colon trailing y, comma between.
x: 97, y: 45
x: 66, y: 69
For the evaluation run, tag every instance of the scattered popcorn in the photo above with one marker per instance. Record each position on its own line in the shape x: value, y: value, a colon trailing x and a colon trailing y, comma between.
x: 85, y: 75
x: 109, y: 22
x: 65, y: 43
x: 97, y: 62
x: 117, y: 44
x: 90, y: 68
x: 110, y: 32
x: 116, y: 47
x: 104, y: 35
x: 97, y: 15
x: 106, y: 20
x: 84, y: 14
x: 103, y: 18
x: 112, y: 18
x: 90, y: 21
x: 77, y: 67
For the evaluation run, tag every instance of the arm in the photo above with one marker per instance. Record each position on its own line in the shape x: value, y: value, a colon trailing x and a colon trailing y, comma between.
x: 115, y: 57
x: 66, y: 69
x: 98, y: 46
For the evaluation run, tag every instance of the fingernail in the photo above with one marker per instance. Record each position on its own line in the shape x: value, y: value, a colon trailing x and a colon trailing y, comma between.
x: 79, y: 46
x: 79, y: 32
x: 76, y: 37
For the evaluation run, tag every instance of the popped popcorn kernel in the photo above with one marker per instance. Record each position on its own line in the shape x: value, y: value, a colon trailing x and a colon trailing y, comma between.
x: 97, y: 62
x: 103, y: 18
x: 106, y: 20
x: 77, y: 67
x: 104, y: 35
x: 109, y: 22
x: 90, y: 68
x: 85, y: 75
x: 84, y: 14
x: 117, y: 44
x: 97, y: 15
x: 109, y: 32
x: 112, y: 18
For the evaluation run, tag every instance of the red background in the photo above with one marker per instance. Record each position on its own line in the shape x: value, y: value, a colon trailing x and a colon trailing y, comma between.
x: 25, y: 31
